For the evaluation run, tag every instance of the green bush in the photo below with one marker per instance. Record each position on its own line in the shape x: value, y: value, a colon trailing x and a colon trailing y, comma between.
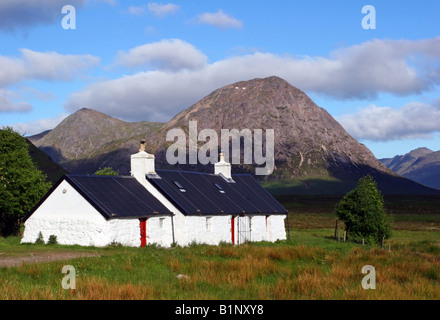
x: 40, y: 239
x: 22, y: 183
x: 52, y: 239
x: 363, y: 213
x: 107, y: 171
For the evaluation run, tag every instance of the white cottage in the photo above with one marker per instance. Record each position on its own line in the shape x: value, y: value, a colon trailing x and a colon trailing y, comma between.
x: 157, y: 207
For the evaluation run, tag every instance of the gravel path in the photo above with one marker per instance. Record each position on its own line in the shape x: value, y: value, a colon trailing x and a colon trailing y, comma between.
x: 28, y: 258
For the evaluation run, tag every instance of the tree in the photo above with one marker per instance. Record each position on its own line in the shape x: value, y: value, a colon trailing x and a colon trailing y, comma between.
x: 22, y: 185
x: 363, y: 213
x: 107, y: 171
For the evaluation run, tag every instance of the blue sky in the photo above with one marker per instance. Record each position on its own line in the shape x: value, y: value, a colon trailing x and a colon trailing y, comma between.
x: 145, y: 60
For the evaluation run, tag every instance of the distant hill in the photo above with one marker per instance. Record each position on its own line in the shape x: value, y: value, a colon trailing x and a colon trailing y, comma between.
x: 38, y: 136
x: 88, y: 140
x: 52, y: 170
x: 402, y: 162
x: 421, y: 165
x: 313, y: 152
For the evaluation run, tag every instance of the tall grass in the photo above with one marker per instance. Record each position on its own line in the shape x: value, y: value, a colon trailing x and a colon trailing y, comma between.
x: 312, y: 265
x: 253, y: 271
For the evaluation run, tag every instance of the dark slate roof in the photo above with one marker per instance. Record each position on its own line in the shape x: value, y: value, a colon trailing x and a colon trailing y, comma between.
x: 197, y: 193
x: 113, y: 196
x: 118, y: 196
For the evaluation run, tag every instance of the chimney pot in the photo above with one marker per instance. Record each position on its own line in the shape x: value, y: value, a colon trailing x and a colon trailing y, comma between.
x: 222, y: 156
x: 142, y: 145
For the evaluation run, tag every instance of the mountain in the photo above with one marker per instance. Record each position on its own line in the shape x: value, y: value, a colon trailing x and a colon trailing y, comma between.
x: 88, y: 140
x: 308, y: 141
x: 313, y: 152
x: 421, y: 165
x: 400, y: 163
x: 43, y: 162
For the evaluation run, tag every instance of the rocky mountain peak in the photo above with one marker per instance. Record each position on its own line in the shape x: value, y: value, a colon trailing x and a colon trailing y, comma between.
x: 309, y: 144
x: 308, y: 140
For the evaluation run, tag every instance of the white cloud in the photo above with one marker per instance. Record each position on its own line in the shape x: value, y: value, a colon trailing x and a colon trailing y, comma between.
x: 414, y: 120
x: 398, y: 67
x: 38, y: 126
x: 33, y: 93
x: 55, y: 66
x: 162, y: 10
x: 137, y: 11
x: 220, y: 20
x: 17, y: 14
x: 12, y: 70
x: 150, y: 30
x: 33, y: 65
x: 8, y: 102
x: 173, y: 54
x: 23, y: 14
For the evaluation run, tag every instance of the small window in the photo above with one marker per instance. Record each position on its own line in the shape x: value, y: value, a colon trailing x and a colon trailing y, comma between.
x: 219, y: 187
x: 177, y: 183
x: 208, y: 223
x: 161, y: 221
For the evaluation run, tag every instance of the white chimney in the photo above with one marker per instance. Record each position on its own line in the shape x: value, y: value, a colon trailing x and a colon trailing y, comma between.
x: 223, y: 167
x: 142, y: 163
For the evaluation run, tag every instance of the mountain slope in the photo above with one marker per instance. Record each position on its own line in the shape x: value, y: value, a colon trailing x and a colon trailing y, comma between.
x: 421, y: 165
x: 308, y: 141
x: 399, y: 164
x: 313, y: 152
x: 52, y: 170
x: 87, y: 135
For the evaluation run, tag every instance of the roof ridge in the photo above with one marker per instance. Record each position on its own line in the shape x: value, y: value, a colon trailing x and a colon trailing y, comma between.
x: 202, y: 173
x: 97, y: 176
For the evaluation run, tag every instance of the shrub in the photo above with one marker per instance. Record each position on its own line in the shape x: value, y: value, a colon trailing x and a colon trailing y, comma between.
x: 52, y: 239
x: 22, y: 183
x: 363, y: 213
x: 107, y: 171
x: 40, y: 239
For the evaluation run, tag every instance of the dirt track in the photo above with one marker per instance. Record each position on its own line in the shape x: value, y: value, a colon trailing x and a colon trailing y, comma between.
x: 28, y: 258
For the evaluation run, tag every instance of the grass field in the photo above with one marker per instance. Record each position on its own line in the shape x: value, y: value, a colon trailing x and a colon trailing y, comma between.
x: 311, y: 265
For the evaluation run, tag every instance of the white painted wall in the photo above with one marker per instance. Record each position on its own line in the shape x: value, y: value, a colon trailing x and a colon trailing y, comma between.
x: 276, y: 228
x: 124, y: 231
x: 67, y: 215
x: 258, y: 228
x: 159, y: 231
x: 188, y: 229
x: 73, y: 220
x: 218, y: 229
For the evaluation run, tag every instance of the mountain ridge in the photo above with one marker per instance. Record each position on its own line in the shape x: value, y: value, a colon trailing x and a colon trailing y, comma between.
x: 309, y: 142
x: 421, y: 165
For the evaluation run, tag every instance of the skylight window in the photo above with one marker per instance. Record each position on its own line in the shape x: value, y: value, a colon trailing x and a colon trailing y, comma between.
x: 219, y: 188
x: 181, y: 188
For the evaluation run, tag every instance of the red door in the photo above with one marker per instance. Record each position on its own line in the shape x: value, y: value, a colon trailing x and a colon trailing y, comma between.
x: 143, y: 230
x: 233, y: 230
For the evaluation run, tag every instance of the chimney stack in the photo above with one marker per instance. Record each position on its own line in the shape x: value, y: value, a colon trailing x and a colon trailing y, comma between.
x: 142, y: 163
x: 223, y: 167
